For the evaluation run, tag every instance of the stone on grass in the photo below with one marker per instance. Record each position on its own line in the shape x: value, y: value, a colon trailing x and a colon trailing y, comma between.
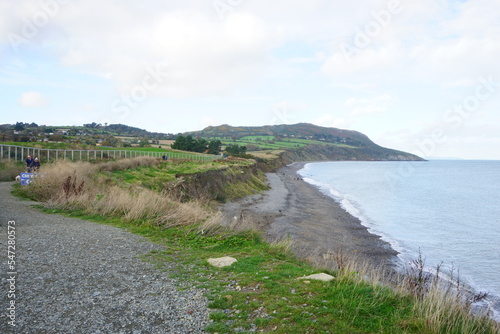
x: 222, y: 261
x: 320, y: 277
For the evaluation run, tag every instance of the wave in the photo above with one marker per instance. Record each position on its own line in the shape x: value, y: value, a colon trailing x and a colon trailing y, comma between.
x: 350, y: 207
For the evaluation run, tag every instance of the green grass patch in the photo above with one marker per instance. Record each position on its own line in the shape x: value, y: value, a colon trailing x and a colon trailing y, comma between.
x: 272, y: 143
x: 156, y: 177
x: 46, y: 145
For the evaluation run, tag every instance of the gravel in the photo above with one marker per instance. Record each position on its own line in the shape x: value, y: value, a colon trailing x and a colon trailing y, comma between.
x: 75, y: 276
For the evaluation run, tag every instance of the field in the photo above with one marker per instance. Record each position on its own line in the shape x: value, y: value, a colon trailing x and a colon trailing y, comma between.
x: 273, y: 143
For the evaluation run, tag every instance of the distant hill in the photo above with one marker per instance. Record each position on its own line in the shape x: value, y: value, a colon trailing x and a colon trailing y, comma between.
x: 306, y: 141
x: 298, y: 142
x: 300, y: 130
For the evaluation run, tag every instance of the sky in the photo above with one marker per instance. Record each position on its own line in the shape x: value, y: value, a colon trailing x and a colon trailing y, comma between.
x: 418, y: 76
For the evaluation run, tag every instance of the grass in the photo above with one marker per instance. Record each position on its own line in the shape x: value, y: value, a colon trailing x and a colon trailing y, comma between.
x: 272, y: 143
x: 74, y: 146
x: 157, y: 176
x: 10, y: 169
x: 258, y: 293
x: 154, y: 177
x: 45, y: 145
x: 85, y: 187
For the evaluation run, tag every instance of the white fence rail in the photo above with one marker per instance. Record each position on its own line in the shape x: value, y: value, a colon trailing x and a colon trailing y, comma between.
x: 19, y: 153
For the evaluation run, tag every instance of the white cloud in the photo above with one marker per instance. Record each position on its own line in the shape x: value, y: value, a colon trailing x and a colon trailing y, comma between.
x: 206, y: 55
x: 435, y: 140
x: 368, y: 106
x: 33, y: 100
x: 329, y: 120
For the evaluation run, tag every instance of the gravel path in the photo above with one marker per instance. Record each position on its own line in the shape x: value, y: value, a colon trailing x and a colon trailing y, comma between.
x: 75, y: 276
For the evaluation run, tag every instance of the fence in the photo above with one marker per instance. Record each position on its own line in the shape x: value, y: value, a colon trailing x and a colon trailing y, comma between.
x: 19, y: 153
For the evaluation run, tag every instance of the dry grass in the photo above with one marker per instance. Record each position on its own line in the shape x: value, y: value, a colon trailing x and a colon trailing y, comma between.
x: 444, y: 305
x: 267, y: 154
x: 9, y: 170
x: 241, y: 223
x: 212, y: 225
x: 80, y: 186
x: 123, y: 164
x: 284, y: 245
x: 443, y: 313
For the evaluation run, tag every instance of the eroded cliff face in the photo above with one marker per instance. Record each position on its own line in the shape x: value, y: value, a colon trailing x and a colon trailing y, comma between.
x: 220, y: 185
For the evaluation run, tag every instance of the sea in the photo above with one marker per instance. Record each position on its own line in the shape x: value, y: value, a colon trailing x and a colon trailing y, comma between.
x: 446, y: 210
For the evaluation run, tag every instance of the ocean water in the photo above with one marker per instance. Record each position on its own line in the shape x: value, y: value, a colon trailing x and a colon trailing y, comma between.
x: 449, y: 210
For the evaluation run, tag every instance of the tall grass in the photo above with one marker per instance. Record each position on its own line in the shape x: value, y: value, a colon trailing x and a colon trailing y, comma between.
x: 444, y: 303
x: 81, y: 186
x: 443, y: 313
x: 439, y: 306
x: 10, y: 169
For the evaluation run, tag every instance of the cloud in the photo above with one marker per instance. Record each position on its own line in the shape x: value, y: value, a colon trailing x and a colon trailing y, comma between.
x: 440, y: 42
x: 206, y: 55
x: 33, y: 100
x: 434, y: 140
x: 368, y: 106
x: 329, y: 120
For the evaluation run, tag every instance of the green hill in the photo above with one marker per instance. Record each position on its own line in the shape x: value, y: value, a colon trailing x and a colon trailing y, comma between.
x: 304, y: 141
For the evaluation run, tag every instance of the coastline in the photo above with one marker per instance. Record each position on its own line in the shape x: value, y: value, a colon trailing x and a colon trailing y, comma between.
x: 319, y: 228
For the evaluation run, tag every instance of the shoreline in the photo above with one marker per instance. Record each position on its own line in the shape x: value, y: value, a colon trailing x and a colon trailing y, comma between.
x: 319, y: 228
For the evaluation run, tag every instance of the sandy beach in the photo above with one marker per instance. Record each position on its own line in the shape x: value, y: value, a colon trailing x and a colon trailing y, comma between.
x: 317, y: 226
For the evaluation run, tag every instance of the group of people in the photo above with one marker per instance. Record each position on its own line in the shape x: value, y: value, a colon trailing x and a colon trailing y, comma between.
x: 32, y: 165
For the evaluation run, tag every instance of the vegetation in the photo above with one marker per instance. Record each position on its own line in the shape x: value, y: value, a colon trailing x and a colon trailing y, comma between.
x: 80, y: 136
x: 190, y: 144
x: 9, y: 170
x: 261, y: 292
x: 236, y: 150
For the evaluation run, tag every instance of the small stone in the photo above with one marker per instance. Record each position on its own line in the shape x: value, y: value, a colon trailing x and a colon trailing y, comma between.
x: 319, y: 277
x: 222, y: 261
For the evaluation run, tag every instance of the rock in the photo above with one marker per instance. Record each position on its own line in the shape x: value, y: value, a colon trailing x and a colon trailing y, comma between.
x: 320, y: 277
x: 222, y: 261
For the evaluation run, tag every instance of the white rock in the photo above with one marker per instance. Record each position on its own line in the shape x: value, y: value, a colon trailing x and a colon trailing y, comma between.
x: 222, y: 261
x: 320, y: 277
